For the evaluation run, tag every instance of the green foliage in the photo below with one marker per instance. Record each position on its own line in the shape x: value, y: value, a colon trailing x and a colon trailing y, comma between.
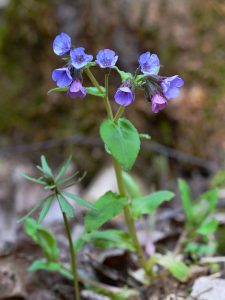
x: 218, y: 179
x: 43, y: 238
x: 124, y: 75
x: 50, y: 267
x: 199, y: 220
x: 95, y: 92
x: 56, y: 184
x: 132, y: 187
x: 122, y: 140
x: 106, y: 207
x: 176, y: 267
x: 148, y: 204
x: 106, y: 239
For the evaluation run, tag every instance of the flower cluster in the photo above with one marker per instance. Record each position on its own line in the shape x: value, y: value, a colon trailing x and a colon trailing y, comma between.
x: 158, y: 89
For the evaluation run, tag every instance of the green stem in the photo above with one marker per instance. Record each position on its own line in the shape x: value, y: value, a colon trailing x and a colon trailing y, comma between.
x: 73, y: 258
x: 128, y: 217
x: 119, y: 113
x: 118, y: 171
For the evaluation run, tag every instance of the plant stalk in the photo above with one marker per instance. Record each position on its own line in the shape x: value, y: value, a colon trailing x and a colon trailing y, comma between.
x: 73, y: 258
x: 118, y: 171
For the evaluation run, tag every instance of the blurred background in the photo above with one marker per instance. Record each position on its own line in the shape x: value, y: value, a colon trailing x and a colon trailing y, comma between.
x: 188, y: 36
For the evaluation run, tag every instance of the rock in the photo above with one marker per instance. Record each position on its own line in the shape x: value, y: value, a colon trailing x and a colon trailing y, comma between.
x: 208, y: 288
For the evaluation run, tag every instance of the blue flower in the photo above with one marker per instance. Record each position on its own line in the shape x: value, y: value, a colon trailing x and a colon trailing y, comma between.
x: 149, y: 63
x: 77, y: 90
x: 106, y: 58
x: 171, y: 85
x: 125, y: 94
x: 62, y: 44
x: 79, y: 58
x: 62, y: 77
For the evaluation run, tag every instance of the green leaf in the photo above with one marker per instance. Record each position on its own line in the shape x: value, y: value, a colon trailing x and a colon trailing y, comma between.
x: 185, y: 194
x: 95, y: 92
x: 124, y: 75
x: 122, y: 140
x: 63, y: 169
x: 45, y: 166
x: 131, y: 186
x: 36, y: 207
x: 36, y: 180
x: 208, y: 227
x: 58, y: 90
x: 79, y: 200
x: 43, y: 238
x: 49, y: 266
x: 106, y: 239
x: 148, y: 204
x: 66, y: 207
x: 177, y: 268
x: 108, y: 206
x: 204, y: 205
x: 45, y: 208
x: 64, y: 180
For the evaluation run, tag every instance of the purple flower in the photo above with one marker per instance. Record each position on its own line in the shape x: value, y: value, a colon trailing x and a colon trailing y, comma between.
x: 62, y: 77
x: 125, y: 94
x: 76, y: 90
x: 106, y: 58
x: 149, y: 63
x: 62, y: 44
x: 158, y: 103
x: 171, y: 85
x: 79, y: 58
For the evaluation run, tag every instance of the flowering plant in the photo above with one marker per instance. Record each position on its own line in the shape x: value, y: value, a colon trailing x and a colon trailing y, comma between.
x: 122, y: 142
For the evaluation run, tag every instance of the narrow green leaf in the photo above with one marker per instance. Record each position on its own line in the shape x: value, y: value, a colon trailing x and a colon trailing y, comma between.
x: 49, y: 266
x: 45, y: 166
x: 36, y: 180
x: 65, y: 206
x: 79, y: 200
x: 63, y: 169
x: 148, y: 204
x: 108, y: 206
x: 61, y: 181
x: 106, y: 239
x: 122, y: 140
x: 208, y: 227
x: 36, y: 207
x: 57, y: 89
x: 131, y: 186
x: 124, y: 75
x: 177, y: 268
x: 185, y: 194
x: 45, y: 209
x: 95, y: 92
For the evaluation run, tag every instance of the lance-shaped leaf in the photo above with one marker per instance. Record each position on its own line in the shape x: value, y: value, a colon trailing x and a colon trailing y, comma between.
x: 148, y: 204
x: 57, y: 89
x: 185, y: 194
x: 47, y: 170
x: 65, y: 206
x: 45, y: 208
x: 124, y: 75
x: 63, y: 169
x: 79, y: 200
x: 122, y: 139
x: 106, y: 207
x: 36, y: 180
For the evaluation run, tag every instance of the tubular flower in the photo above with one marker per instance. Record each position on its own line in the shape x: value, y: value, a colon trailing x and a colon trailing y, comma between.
x: 62, y: 77
x: 149, y: 63
x: 76, y: 90
x: 158, y: 103
x: 125, y: 94
x: 171, y: 85
x: 79, y: 58
x: 106, y: 58
x: 62, y: 44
